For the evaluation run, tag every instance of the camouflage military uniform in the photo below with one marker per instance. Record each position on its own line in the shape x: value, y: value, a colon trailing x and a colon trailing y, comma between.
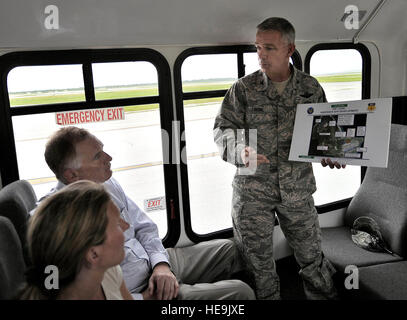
x: 281, y: 186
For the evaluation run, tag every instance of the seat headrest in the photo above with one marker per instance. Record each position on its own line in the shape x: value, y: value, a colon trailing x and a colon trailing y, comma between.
x: 16, y: 200
x: 398, y: 137
x: 22, y: 192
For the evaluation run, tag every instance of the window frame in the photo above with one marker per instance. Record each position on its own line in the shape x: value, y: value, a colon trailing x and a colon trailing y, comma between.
x: 85, y: 57
x: 365, y: 94
x: 180, y: 96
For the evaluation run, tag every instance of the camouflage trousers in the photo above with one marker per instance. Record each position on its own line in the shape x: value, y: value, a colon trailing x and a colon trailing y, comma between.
x: 253, y: 224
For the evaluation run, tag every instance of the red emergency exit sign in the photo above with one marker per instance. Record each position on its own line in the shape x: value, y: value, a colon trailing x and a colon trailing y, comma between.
x: 90, y: 115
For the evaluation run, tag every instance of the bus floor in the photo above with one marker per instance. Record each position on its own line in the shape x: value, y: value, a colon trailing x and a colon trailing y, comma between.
x: 290, y: 281
x: 291, y: 287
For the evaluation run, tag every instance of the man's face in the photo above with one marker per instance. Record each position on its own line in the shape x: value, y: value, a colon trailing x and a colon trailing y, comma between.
x: 274, y: 54
x: 94, y: 163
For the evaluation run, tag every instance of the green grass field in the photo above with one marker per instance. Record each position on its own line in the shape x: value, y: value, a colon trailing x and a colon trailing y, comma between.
x: 350, y: 77
x: 48, y: 98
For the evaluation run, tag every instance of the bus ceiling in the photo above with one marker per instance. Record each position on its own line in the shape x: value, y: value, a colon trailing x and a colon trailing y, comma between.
x: 96, y: 24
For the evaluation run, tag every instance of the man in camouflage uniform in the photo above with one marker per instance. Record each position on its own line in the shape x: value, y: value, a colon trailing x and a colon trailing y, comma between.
x: 266, y: 100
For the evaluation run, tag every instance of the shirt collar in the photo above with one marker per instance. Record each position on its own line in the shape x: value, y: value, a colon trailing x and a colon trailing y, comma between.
x: 60, y: 185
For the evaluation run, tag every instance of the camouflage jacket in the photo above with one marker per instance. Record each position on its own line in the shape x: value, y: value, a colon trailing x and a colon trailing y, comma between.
x: 253, y: 103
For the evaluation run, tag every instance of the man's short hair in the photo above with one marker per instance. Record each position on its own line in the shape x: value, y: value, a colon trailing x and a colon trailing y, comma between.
x: 281, y: 25
x: 60, y: 149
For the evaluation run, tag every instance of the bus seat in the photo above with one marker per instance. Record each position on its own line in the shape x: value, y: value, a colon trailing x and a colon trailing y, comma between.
x: 383, y: 197
x: 12, y: 264
x: 383, y: 281
x: 17, y: 199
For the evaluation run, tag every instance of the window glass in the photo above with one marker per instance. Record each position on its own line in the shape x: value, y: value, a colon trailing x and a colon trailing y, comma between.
x: 135, y: 143
x: 251, y: 62
x: 117, y: 80
x: 209, y: 177
x: 339, y: 72
x: 37, y: 85
x: 209, y: 72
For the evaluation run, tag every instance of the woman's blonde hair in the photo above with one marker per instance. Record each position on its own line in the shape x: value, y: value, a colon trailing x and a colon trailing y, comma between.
x: 64, y: 227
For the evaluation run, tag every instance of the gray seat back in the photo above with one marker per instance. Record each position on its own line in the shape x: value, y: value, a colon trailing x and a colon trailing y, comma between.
x: 17, y: 199
x: 12, y: 264
x: 383, y: 194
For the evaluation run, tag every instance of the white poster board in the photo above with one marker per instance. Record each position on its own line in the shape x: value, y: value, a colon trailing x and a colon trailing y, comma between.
x: 350, y: 132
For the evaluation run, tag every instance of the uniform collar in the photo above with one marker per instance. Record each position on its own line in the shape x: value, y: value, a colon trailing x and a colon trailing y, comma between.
x: 263, y: 82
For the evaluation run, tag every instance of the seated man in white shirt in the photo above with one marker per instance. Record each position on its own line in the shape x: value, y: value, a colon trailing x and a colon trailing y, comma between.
x: 150, y: 271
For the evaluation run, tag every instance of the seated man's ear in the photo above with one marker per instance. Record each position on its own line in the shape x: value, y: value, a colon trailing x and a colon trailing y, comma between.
x: 70, y: 175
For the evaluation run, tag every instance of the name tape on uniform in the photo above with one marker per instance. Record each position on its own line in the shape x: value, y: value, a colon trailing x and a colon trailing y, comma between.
x: 90, y: 115
x: 154, y: 204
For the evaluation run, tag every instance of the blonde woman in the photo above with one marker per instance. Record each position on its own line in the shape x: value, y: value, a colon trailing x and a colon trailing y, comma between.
x: 78, y: 234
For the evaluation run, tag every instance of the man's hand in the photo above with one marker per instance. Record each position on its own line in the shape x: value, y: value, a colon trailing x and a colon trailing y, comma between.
x: 163, y: 285
x: 336, y: 164
x: 147, y: 296
x: 248, y: 155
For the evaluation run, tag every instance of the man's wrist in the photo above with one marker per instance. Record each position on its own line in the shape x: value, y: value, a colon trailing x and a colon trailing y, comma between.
x: 162, y: 264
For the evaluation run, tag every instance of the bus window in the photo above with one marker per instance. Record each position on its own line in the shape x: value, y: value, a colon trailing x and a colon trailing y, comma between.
x: 339, y: 71
x: 208, y: 72
x: 114, y: 80
x: 209, y: 177
x: 134, y: 140
x: 37, y: 85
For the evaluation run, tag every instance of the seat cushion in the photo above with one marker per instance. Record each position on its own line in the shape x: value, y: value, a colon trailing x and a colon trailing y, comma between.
x: 384, y: 281
x: 339, y: 248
